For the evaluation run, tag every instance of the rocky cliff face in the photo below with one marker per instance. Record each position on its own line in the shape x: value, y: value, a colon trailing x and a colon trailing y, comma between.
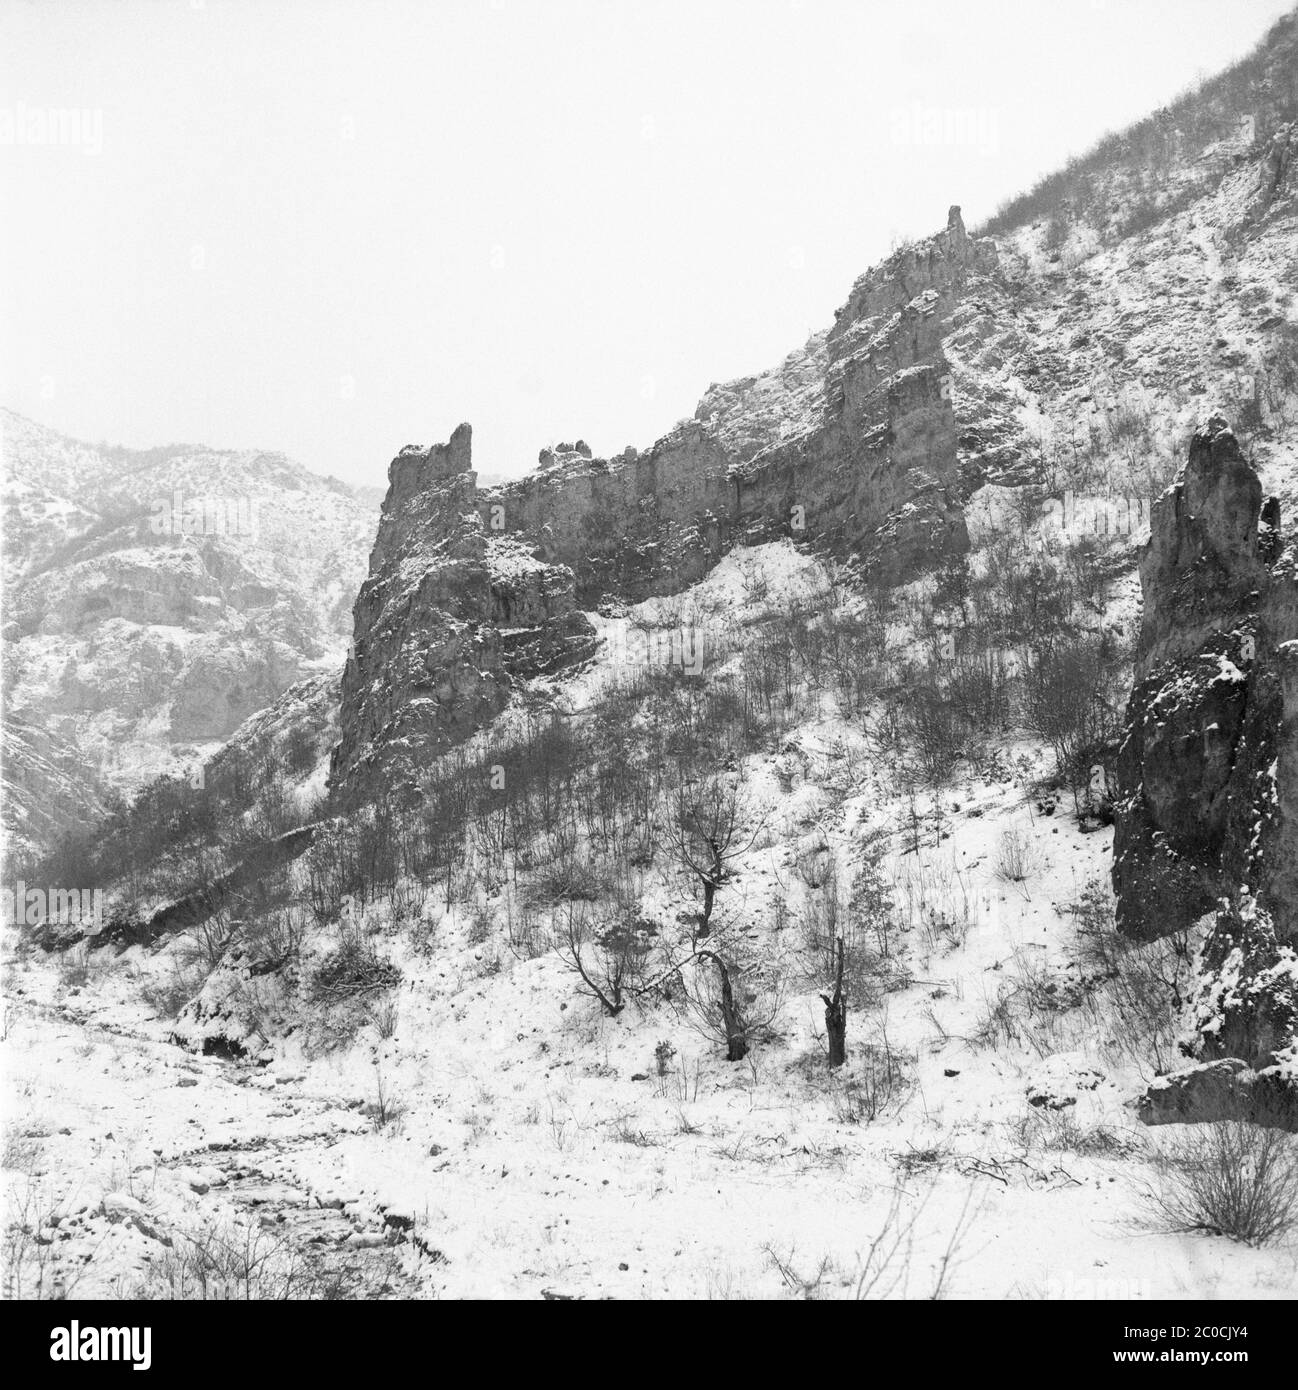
x: 1207, y: 810
x: 449, y: 619
x: 1180, y: 771
x: 873, y: 464
x: 852, y: 444
x: 957, y: 362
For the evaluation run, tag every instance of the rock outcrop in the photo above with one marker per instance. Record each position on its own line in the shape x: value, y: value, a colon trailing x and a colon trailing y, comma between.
x: 640, y: 524
x: 852, y: 444
x: 1207, y: 808
x: 1207, y: 793
x: 1244, y: 1028
x: 449, y: 619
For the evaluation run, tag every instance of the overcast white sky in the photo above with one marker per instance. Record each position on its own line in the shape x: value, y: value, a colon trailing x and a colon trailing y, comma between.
x: 334, y: 228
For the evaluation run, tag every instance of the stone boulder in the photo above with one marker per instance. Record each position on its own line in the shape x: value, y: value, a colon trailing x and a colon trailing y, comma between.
x: 1216, y: 1091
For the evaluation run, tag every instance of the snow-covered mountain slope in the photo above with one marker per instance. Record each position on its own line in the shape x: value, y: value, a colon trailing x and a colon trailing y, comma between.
x: 153, y: 601
x: 427, y: 1085
x: 555, y: 1020
x: 1081, y: 359
x: 1068, y: 356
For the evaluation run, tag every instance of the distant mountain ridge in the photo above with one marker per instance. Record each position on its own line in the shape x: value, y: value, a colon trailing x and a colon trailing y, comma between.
x: 154, y: 600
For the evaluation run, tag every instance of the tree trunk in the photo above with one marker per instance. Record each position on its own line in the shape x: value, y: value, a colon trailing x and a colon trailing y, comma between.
x: 736, y: 1036
x: 711, y: 882
x: 705, y: 923
x: 836, y: 1015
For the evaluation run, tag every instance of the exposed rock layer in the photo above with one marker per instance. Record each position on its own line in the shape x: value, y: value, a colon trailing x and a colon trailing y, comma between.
x: 852, y: 444
x: 1207, y: 796
x: 450, y: 617
x: 1207, y: 815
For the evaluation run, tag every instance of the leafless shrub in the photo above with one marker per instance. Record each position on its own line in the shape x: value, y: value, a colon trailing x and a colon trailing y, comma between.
x: 259, y: 1000
x: 352, y: 970
x: 1070, y: 701
x: 385, y: 1107
x: 1231, y: 1178
x: 681, y: 1085
x: 236, y: 1260
x: 524, y: 929
x: 684, y: 1125
x: 384, y: 1013
x: 208, y: 940
x: 625, y: 1132
x: 409, y: 898
x: 886, y: 1269
x: 938, y: 899
x: 168, y: 993
x: 1017, y: 858
x: 608, y: 960
x: 1062, y: 1132
x: 32, y: 1267
x: 877, y: 1084
x: 561, y: 1128
x: 808, y: 1286
x: 1000, y: 1023
x: 814, y: 864
x: 274, y: 939
x: 821, y: 918
x: 839, y: 955
x: 934, y: 737
x: 1142, y: 986
x: 570, y: 878
x: 76, y: 966
x: 332, y: 871
x: 872, y: 907
x: 756, y: 586
x: 480, y: 923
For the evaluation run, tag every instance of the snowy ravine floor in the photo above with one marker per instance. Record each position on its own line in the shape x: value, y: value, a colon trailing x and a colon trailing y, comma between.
x: 534, y: 1148
x: 533, y: 1165
x: 124, y: 1153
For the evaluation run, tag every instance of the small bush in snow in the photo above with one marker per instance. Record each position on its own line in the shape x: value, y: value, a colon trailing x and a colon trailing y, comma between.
x: 352, y: 969
x: 1231, y: 1178
x: 1017, y: 858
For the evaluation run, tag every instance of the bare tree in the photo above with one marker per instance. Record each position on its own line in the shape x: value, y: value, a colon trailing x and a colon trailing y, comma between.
x: 836, y: 1015
x: 705, y: 837
x: 608, y: 965
x: 1065, y: 697
x: 730, y: 1012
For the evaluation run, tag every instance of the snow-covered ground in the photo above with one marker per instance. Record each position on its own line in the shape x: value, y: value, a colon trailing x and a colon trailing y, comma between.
x: 490, y: 1133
